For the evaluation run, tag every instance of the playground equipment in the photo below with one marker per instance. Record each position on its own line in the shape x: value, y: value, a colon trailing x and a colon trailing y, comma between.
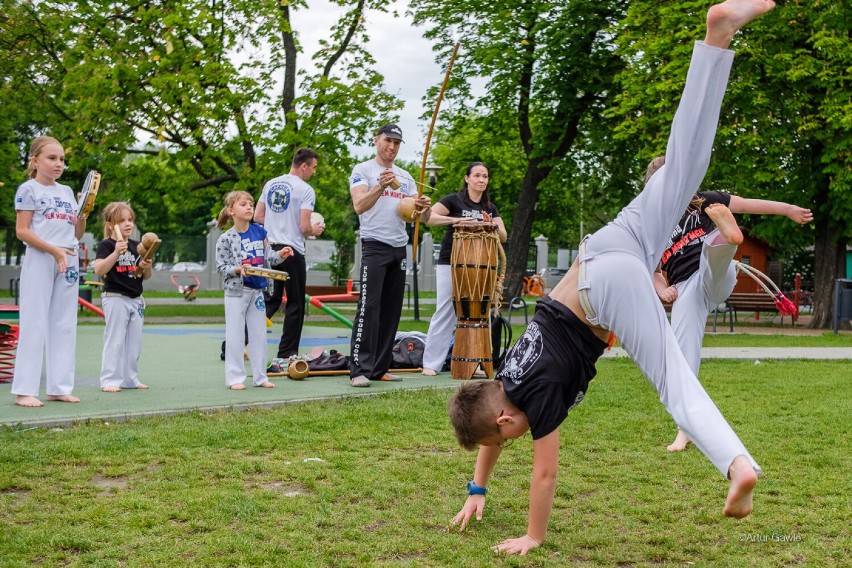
x: 534, y: 286
x: 190, y: 289
x: 8, y: 341
x: 350, y: 295
x: 90, y: 306
x: 336, y: 315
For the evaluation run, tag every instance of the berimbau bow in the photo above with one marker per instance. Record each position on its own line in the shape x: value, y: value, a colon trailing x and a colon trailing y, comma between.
x: 426, y: 150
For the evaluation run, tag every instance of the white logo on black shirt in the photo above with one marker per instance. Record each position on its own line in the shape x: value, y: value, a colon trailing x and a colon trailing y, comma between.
x: 524, y: 354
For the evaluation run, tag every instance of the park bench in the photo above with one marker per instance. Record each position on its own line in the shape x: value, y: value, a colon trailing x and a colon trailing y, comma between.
x: 756, y: 302
x: 723, y: 309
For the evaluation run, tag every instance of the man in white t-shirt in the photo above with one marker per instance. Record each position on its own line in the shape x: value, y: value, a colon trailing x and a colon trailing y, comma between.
x: 377, y: 186
x: 284, y: 209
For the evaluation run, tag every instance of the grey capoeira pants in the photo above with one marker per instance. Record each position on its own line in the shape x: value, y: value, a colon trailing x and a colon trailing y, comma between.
x: 124, y: 317
x: 245, y: 312
x: 619, y: 262
x: 443, y: 322
x: 48, y: 325
x: 708, y: 287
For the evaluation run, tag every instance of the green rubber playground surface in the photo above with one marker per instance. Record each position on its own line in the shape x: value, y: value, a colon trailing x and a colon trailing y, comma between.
x: 182, y: 365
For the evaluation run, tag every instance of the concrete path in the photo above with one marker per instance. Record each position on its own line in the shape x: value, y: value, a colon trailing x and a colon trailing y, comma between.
x: 181, y: 364
x: 762, y: 353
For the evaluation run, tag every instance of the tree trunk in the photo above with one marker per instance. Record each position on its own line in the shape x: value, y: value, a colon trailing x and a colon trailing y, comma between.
x: 517, y: 254
x: 829, y: 264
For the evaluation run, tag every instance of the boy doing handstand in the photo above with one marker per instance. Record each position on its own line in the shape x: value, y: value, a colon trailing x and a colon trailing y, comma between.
x: 610, y: 290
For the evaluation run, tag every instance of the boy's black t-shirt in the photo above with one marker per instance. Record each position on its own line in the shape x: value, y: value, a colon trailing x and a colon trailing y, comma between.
x: 548, y: 370
x: 682, y: 256
x: 459, y: 207
x: 121, y: 278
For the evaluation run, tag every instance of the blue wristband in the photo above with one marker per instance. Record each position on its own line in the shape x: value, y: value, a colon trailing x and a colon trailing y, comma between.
x: 474, y: 489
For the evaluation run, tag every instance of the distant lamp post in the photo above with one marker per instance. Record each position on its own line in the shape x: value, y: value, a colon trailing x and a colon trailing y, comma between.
x: 432, y: 173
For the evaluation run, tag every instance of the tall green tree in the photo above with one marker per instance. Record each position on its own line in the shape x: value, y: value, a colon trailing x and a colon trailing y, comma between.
x: 549, y: 67
x: 786, y: 127
x: 218, y: 93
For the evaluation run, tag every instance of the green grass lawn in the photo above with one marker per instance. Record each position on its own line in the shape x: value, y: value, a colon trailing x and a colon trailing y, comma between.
x: 374, y: 481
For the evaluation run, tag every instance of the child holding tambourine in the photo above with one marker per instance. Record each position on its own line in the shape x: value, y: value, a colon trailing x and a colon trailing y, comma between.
x: 116, y: 260
x: 48, y: 223
x: 244, y: 244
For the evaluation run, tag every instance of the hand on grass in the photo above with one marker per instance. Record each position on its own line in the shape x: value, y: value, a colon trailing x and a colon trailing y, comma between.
x: 517, y: 545
x: 474, y: 505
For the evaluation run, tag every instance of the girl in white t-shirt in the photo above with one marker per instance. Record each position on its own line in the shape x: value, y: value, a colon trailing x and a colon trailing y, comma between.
x: 47, y: 223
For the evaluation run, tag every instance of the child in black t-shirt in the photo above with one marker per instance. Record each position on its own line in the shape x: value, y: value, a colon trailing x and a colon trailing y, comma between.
x: 610, y: 290
x: 124, y: 308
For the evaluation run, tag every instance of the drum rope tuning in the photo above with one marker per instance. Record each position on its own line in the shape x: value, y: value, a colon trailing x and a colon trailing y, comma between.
x: 478, y: 268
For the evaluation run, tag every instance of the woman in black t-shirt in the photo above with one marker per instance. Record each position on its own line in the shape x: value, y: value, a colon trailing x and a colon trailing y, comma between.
x: 471, y: 206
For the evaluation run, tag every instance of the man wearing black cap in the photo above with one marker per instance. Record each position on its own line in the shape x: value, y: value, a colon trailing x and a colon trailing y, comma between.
x: 377, y: 186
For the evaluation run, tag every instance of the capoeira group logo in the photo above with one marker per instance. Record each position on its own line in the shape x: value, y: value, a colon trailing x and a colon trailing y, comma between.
x: 524, y: 354
x: 278, y: 198
x: 72, y: 275
x: 258, y: 303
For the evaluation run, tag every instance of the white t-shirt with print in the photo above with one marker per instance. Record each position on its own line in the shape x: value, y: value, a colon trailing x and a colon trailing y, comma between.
x: 54, y: 211
x: 285, y: 197
x: 381, y: 222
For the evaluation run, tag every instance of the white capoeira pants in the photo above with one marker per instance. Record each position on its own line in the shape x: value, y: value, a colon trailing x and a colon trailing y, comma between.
x: 48, y: 325
x: 245, y: 312
x: 708, y: 287
x: 122, y: 340
x: 619, y: 262
x: 443, y: 322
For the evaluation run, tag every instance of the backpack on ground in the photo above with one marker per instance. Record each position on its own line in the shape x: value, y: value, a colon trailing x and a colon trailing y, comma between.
x: 408, y: 352
x: 329, y: 361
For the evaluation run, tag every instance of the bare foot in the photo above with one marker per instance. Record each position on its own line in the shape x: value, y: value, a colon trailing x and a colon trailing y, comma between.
x: 725, y: 222
x: 680, y: 442
x: 140, y: 386
x: 29, y: 401
x: 267, y: 385
x: 245, y: 355
x: 725, y: 19
x: 62, y: 398
x: 237, y: 387
x: 110, y: 389
x: 743, y: 479
x: 428, y: 372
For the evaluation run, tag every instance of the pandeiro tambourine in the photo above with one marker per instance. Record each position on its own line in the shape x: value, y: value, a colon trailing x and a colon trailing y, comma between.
x: 87, y: 196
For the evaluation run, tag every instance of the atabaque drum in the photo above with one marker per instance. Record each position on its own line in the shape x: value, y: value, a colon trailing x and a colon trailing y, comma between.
x: 474, y: 275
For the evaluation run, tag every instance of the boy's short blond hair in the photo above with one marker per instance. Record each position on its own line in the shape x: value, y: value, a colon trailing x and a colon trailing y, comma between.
x: 473, y: 411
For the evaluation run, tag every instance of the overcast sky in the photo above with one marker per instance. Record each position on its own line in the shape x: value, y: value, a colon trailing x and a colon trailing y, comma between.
x: 402, y: 55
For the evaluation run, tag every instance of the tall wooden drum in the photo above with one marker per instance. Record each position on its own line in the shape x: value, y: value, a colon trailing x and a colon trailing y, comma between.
x: 475, y: 281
